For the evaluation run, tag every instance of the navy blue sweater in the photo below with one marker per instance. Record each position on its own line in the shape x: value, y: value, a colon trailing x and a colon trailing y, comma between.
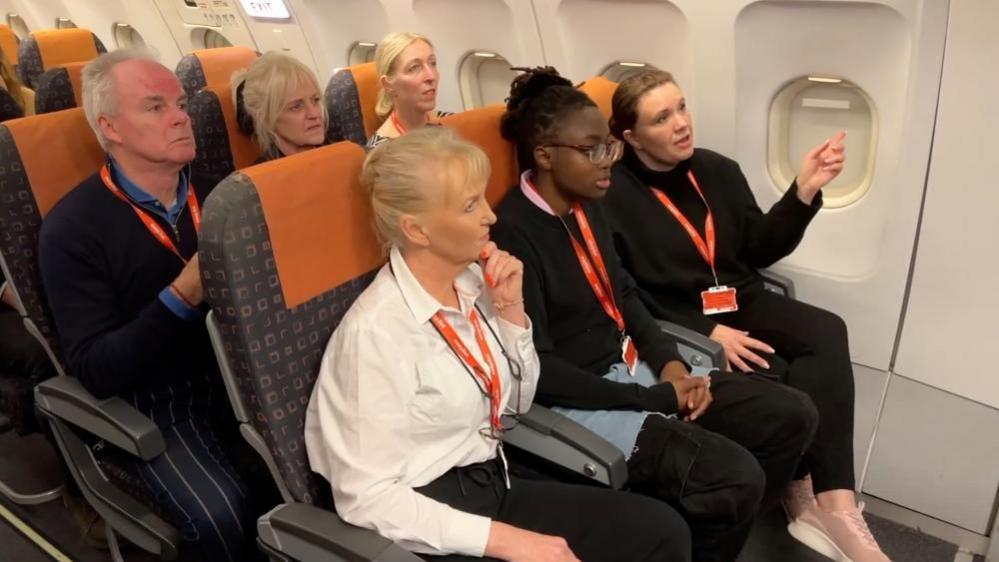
x: 102, y: 273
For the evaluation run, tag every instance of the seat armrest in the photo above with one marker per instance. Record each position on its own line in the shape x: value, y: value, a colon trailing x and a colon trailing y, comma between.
x: 112, y: 420
x: 568, y: 444
x: 696, y: 349
x: 777, y: 283
x: 305, y: 532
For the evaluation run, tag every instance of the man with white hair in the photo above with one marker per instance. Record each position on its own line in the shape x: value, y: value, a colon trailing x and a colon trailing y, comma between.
x: 119, y: 263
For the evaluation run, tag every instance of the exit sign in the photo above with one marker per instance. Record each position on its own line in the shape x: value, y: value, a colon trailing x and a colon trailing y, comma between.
x: 270, y: 9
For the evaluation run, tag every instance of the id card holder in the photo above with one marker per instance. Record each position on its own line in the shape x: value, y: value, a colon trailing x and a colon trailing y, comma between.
x: 629, y: 354
x: 717, y: 300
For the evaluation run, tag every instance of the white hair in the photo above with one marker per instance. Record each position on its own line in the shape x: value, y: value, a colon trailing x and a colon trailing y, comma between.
x: 99, y: 88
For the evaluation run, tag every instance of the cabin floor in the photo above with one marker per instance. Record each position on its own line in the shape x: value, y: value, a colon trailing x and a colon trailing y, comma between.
x: 27, y: 464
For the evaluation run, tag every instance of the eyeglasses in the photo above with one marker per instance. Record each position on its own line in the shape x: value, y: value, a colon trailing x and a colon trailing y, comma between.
x: 597, y: 153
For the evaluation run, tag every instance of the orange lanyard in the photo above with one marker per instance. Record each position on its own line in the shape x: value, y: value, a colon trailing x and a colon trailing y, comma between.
x: 397, y: 123
x: 601, y: 286
x: 152, y: 226
x: 705, y: 248
x: 490, y: 381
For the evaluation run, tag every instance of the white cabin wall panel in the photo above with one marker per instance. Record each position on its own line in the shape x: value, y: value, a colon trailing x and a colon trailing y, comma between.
x: 854, y: 260
x: 457, y: 27
x: 936, y: 453
x: 869, y: 386
x: 951, y: 315
x: 184, y: 21
x: 332, y: 26
x: 582, y: 37
x: 285, y: 36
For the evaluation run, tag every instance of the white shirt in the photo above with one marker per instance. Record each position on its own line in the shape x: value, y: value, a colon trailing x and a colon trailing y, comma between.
x: 394, y: 408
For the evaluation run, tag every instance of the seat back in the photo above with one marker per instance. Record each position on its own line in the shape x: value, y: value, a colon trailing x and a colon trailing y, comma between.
x: 222, y: 147
x: 482, y: 127
x: 212, y: 67
x: 601, y: 91
x: 286, y: 247
x: 350, y: 102
x: 9, y: 43
x: 8, y: 107
x: 59, y: 88
x: 42, y: 158
x: 49, y: 48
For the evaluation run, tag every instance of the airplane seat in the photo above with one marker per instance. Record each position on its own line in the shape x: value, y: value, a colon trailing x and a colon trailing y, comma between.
x: 212, y: 67
x: 482, y: 127
x: 222, y: 147
x: 350, y: 98
x: 279, y: 275
x: 49, y: 48
x: 42, y: 158
x: 59, y: 88
x: 600, y: 90
x: 9, y: 43
x: 8, y: 107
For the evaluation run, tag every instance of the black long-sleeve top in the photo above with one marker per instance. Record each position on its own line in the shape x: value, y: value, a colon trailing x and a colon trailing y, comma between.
x: 576, y: 341
x: 102, y: 273
x: 656, y: 250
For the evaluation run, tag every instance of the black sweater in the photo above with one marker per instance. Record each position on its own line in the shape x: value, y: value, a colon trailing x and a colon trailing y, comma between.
x: 102, y: 272
x: 658, y: 252
x: 576, y: 341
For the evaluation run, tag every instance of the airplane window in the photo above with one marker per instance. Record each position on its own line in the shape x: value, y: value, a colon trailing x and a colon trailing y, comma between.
x: 807, y: 111
x: 126, y: 36
x: 361, y: 52
x: 484, y: 78
x: 617, y: 71
x: 64, y: 23
x: 17, y: 24
x: 204, y: 38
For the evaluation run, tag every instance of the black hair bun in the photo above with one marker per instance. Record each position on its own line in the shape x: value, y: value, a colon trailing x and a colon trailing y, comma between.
x: 531, y: 84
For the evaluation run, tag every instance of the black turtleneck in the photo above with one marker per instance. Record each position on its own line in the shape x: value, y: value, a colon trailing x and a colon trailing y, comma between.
x: 662, y: 258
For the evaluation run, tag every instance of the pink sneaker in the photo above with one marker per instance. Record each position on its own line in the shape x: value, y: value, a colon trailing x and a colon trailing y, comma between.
x: 841, y: 535
x: 798, y: 497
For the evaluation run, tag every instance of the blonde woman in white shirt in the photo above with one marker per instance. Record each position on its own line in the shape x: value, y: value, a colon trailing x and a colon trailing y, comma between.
x: 405, y: 420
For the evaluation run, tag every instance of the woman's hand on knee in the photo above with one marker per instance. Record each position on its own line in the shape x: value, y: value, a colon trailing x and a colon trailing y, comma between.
x: 739, y: 348
x: 507, y: 542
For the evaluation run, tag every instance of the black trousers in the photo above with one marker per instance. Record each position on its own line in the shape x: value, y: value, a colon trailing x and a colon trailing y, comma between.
x: 21, y: 357
x: 719, y: 470
x: 813, y: 355
x: 600, y: 525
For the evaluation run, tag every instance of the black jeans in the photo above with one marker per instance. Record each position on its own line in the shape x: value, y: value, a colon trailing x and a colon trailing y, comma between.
x: 718, y: 471
x: 21, y: 357
x: 813, y: 356
x: 599, y: 524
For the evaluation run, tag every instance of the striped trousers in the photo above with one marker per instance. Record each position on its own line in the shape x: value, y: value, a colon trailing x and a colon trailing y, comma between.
x: 194, y: 481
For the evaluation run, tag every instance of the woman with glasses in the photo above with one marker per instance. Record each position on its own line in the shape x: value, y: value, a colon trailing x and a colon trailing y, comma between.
x: 407, y: 414
x: 688, y: 229
x: 604, y: 361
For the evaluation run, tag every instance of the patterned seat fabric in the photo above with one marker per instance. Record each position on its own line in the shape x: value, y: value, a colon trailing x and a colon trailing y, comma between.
x: 54, y: 47
x: 222, y: 147
x: 212, y: 67
x: 59, y: 88
x: 350, y: 102
x: 31, y: 182
x: 8, y: 107
x: 279, y: 289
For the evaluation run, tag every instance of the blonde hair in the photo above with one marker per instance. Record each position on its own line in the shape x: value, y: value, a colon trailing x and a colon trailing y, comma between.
x: 12, y: 84
x: 264, y: 86
x: 411, y: 174
x: 386, y: 55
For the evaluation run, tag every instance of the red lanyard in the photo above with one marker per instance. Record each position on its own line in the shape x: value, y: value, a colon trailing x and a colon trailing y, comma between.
x: 601, y: 286
x: 706, y: 249
x: 152, y: 226
x: 490, y: 381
